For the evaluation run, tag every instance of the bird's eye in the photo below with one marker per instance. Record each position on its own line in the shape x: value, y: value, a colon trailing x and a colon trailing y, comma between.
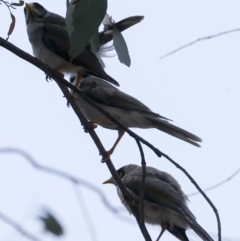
x: 120, y: 174
x: 72, y: 78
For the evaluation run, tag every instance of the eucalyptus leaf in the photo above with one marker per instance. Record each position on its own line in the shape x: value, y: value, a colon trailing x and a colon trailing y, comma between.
x: 51, y: 224
x: 121, y: 48
x: 95, y: 42
x: 82, y: 20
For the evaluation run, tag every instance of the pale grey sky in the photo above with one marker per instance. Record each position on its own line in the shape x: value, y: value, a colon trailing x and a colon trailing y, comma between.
x: 198, y: 88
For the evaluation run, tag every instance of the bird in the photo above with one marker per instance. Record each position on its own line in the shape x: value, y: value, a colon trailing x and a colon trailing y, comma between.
x: 165, y: 203
x: 50, y: 42
x: 126, y: 109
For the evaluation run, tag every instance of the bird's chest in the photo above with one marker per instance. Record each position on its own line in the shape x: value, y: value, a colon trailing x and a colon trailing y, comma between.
x: 40, y: 50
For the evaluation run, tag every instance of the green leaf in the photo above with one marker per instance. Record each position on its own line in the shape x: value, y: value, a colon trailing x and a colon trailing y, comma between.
x: 51, y: 224
x: 82, y: 20
x: 121, y: 48
x: 95, y: 42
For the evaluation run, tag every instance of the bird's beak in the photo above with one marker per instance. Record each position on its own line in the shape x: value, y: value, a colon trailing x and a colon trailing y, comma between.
x: 110, y: 180
x: 30, y: 12
x: 29, y: 7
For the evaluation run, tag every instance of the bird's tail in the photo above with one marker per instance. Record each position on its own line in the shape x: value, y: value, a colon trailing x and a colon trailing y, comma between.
x: 128, y: 22
x: 200, y: 231
x: 175, y: 131
x: 178, y: 232
x: 121, y: 26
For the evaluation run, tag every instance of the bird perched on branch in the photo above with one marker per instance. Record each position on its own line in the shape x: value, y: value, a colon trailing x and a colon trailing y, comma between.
x: 165, y: 203
x: 124, y: 108
x: 50, y: 42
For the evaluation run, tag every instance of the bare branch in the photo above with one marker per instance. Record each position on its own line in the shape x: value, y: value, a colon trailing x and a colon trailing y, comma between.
x: 60, y: 174
x: 201, y: 191
x: 218, y: 184
x: 67, y: 3
x: 17, y: 227
x: 62, y: 83
x: 143, y: 180
x: 198, y: 40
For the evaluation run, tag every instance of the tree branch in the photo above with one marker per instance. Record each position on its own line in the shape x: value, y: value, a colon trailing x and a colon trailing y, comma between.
x: 17, y: 227
x: 201, y: 191
x: 61, y: 82
x: 143, y: 162
x: 58, y: 78
x: 198, y: 40
x: 218, y: 184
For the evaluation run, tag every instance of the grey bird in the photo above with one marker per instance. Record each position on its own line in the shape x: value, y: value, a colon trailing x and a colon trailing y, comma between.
x: 165, y: 203
x: 50, y: 42
x: 126, y: 109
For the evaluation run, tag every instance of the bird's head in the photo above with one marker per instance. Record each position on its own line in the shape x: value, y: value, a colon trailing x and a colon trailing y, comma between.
x: 34, y: 11
x: 121, y: 172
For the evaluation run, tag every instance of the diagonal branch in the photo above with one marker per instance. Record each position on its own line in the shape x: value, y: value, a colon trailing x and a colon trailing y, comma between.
x: 198, y: 40
x: 18, y: 227
x: 218, y: 184
x: 63, y: 84
x: 143, y: 180
x: 201, y: 191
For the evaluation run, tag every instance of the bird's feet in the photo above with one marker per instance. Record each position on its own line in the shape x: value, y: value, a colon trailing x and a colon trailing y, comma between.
x: 90, y: 126
x: 107, y: 155
x: 72, y: 98
x: 47, y: 77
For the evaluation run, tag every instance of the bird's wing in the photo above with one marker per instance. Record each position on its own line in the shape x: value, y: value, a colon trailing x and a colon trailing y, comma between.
x: 104, y: 93
x: 54, y: 18
x: 56, y: 38
x: 156, y: 191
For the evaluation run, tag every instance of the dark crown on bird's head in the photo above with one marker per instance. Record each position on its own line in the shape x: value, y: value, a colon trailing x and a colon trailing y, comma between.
x: 126, y: 169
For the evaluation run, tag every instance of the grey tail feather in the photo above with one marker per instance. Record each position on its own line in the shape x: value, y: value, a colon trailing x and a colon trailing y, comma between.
x: 175, y: 131
x: 128, y: 22
x: 121, y: 25
x: 111, y: 80
x: 200, y: 231
x: 178, y: 232
x: 103, y: 75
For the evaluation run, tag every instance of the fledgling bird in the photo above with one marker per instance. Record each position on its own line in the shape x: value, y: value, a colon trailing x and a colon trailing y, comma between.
x: 50, y: 42
x: 165, y: 203
x: 126, y: 109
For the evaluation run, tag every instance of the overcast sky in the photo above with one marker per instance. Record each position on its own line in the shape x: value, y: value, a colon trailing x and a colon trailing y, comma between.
x: 197, y: 87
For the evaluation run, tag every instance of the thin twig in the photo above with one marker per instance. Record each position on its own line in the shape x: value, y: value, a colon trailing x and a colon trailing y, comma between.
x: 67, y: 4
x: 63, y: 83
x: 143, y: 162
x: 200, y: 190
x: 86, y: 215
x: 17, y: 227
x: 198, y: 40
x: 217, y: 185
x: 60, y: 174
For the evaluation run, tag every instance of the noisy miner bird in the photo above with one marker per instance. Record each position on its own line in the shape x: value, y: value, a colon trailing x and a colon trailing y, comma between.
x: 165, y: 203
x: 50, y: 42
x: 124, y: 108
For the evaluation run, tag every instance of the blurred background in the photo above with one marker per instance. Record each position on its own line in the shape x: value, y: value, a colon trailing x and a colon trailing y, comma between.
x: 197, y: 87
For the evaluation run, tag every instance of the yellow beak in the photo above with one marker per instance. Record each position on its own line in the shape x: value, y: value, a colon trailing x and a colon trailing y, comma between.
x: 29, y: 7
x: 110, y: 180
